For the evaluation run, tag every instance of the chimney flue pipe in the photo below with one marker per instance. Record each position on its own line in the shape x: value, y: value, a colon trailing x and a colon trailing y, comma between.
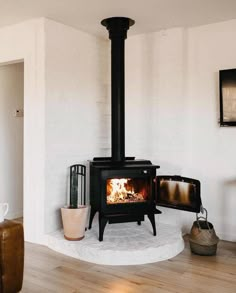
x: 117, y: 27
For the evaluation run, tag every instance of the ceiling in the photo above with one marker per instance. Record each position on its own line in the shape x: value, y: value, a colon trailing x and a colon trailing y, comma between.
x: 149, y: 15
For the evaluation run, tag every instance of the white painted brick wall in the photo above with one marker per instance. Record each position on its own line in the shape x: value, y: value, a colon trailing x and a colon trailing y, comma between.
x: 171, y: 105
x: 172, y: 110
x: 76, y: 109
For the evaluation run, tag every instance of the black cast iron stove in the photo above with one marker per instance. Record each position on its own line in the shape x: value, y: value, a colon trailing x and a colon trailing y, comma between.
x: 122, y: 189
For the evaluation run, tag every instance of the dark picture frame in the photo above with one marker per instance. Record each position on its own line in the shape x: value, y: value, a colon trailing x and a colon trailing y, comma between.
x: 227, y: 84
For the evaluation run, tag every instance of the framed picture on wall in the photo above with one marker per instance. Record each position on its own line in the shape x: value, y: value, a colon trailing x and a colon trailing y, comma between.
x: 227, y: 97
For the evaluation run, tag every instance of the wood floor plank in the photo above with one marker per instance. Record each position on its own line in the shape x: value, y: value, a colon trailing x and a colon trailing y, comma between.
x: 49, y: 271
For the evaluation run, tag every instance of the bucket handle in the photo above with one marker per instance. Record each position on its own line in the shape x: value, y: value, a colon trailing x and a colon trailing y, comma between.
x: 204, y: 218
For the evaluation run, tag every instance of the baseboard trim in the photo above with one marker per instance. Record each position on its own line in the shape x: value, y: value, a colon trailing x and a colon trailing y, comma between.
x: 227, y: 237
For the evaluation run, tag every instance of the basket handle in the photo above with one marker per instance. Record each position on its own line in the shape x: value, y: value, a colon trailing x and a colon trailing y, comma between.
x: 204, y: 218
x: 202, y: 211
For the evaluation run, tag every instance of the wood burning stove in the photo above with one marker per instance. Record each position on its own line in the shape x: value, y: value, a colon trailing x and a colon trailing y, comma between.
x: 123, y: 189
x: 122, y: 192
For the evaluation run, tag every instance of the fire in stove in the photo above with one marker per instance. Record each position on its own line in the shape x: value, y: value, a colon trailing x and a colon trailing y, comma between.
x: 126, y: 190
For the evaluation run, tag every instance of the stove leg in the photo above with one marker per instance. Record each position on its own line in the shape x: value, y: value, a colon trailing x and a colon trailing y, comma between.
x: 151, y: 217
x: 102, y: 223
x: 92, y: 214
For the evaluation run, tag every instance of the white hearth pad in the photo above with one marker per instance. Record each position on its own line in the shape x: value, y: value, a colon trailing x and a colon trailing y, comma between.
x: 123, y: 244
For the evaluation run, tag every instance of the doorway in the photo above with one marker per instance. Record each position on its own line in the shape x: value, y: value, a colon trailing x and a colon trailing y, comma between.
x: 12, y: 138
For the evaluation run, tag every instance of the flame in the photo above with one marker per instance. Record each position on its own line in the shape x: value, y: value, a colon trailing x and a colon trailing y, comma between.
x: 122, y: 191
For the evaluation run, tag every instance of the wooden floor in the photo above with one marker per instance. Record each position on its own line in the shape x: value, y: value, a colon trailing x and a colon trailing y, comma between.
x: 48, y: 271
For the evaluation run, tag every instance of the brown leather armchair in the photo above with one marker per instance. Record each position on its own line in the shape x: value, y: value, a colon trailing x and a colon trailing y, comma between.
x: 11, y: 256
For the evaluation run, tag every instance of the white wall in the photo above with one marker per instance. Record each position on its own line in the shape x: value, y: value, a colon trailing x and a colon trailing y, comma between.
x: 155, y: 97
x: 156, y: 103
x: 11, y: 137
x: 172, y: 114
x: 212, y: 158
x: 76, y: 95
x: 25, y: 41
x: 65, y: 112
x: 171, y: 111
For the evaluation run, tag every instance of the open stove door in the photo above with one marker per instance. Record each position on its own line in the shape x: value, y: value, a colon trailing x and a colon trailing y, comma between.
x: 178, y: 192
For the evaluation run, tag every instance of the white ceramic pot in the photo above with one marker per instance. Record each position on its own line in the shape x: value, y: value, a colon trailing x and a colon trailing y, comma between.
x: 74, y: 222
x: 3, y: 211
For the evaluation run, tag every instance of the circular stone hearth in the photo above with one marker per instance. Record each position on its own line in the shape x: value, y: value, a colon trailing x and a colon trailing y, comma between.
x: 123, y: 244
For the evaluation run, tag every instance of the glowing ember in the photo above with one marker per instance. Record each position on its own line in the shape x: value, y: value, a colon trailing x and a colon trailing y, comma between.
x: 123, y: 191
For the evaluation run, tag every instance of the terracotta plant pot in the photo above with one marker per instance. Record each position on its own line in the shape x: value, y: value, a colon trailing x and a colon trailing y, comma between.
x: 74, y: 222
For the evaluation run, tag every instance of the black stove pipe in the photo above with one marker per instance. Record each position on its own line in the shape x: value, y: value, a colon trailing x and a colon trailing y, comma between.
x: 117, y: 27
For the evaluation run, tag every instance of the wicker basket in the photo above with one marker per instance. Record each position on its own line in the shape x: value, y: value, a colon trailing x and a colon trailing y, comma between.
x: 203, y: 249
x: 203, y: 239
